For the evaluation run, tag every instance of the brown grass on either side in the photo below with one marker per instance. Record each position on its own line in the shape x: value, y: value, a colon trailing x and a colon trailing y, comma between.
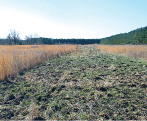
x: 13, y: 59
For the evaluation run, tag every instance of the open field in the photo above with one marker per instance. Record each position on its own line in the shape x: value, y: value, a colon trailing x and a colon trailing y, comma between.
x: 133, y: 51
x: 14, y: 59
x: 88, y: 84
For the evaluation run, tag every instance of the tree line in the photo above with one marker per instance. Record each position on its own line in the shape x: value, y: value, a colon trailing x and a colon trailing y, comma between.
x: 14, y: 39
x: 138, y: 36
x: 68, y: 41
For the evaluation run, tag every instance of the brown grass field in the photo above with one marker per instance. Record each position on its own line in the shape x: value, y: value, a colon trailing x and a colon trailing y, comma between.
x: 133, y: 51
x: 15, y: 58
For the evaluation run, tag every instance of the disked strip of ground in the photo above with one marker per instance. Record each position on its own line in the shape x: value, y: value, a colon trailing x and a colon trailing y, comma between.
x: 85, y: 85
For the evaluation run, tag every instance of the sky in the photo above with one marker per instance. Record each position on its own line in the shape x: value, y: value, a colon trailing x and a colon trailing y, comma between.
x: 71, y: 18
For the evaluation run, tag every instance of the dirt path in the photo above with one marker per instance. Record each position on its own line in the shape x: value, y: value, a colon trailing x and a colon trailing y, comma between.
x: 85, y: 85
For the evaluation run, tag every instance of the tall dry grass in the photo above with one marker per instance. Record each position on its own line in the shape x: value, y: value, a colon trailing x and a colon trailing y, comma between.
x: 134, y: 51
x: 15, y: 58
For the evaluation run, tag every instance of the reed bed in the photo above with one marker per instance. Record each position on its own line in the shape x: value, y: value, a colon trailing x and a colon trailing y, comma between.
x: 16, y: 58
x: 133, y: 51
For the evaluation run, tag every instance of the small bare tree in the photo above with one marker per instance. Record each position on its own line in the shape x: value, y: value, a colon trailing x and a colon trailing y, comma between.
x: 28, y: 39
x: 32, y: 39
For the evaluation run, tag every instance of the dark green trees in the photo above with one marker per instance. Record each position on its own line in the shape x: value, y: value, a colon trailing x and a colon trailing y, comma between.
x: 138, y: 36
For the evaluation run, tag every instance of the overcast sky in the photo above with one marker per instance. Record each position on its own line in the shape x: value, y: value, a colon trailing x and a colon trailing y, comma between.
x: 71, y: 18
